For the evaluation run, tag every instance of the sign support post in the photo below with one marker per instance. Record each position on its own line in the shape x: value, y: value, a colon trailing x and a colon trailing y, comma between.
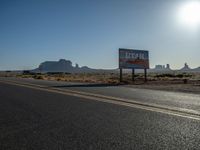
x: 133, y: 75
x: 120, y: 78
x: 145, y: 75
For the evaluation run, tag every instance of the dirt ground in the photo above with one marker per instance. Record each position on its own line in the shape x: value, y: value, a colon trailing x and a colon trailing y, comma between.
x: 190, y: 87
x: 189, y: 83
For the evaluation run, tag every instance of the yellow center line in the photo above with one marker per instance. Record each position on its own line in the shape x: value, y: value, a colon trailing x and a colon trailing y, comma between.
x: 175, y: 111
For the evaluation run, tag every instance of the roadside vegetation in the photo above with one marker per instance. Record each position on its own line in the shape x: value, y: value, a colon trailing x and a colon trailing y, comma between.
x: 110, y: 77
x: 179, y: 82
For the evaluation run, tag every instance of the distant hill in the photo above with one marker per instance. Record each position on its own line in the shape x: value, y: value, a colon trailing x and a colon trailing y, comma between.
x: 161, y: 68
x: 65, y: 66
x: 196, y: 69
x: 186, y: 68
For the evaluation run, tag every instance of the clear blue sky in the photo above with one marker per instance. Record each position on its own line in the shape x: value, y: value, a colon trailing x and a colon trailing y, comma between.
x: 89, y: 32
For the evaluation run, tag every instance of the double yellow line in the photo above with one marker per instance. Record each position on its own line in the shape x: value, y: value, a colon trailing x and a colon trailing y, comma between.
x: 175, y: 111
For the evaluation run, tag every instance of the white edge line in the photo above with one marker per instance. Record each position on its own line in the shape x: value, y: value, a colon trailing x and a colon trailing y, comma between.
x: 122, y: 103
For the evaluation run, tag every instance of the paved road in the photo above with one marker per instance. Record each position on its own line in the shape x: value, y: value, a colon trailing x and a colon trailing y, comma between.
x: 172, y: 99
x: 36, y: 119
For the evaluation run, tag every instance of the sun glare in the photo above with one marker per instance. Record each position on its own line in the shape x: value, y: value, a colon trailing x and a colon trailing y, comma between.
x: 189, y: 14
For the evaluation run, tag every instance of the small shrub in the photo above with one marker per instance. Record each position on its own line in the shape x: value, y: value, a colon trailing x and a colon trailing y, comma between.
x: 58, y: 79
x: 180, y: 75
x: 165, y: 75
x: 38, y: 77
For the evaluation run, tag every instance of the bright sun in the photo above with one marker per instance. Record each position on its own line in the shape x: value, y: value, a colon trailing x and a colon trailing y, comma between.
x: 189, y: 14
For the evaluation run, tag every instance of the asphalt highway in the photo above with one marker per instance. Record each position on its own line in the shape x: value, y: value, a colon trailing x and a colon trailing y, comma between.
x: 38, y: 119
x: 181, y: 100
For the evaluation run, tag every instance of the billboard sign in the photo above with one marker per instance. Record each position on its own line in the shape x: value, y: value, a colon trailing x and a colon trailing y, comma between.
x: 133, y: 59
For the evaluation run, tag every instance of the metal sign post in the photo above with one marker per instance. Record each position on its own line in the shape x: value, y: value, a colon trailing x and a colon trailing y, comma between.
x: 145, y: 75
x: 121, y: 75
x: 133, y: 75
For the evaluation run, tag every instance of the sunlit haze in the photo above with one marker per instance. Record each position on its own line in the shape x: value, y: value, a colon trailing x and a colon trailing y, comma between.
x: 190, y: 14
x: 90, y: 32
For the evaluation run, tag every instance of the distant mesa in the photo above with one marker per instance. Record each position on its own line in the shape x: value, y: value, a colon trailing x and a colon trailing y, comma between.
x: 196, y: 69
x: 53, y: 66
x: 167, y: 69
x: 65, y: 66
x: 185, y: 68
x: 62, y: 65
x: 161, y: 68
